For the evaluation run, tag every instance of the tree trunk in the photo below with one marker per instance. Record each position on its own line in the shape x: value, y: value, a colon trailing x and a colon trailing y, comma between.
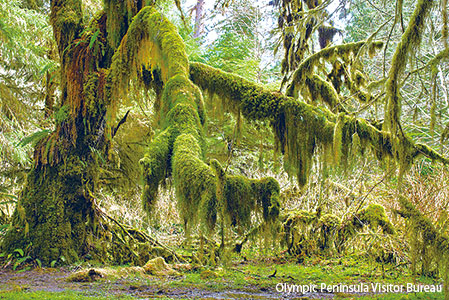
x: 55, y: 218
x: 199, y: 15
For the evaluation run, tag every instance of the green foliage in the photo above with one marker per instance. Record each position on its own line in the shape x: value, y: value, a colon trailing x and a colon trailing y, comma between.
x: 66, y: 295
x: 429, y: 244
x: 238, y: 48
x: 409, y: 41
x: 307, y: 233
x: 34, y: 138
x: 24, y: 34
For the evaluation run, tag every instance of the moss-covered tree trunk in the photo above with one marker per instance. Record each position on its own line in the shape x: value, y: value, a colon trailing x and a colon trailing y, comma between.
x: 55, y: 218
x: 50, y: 217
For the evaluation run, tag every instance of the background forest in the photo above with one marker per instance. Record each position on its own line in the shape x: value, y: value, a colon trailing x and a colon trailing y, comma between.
x: 362, y: 185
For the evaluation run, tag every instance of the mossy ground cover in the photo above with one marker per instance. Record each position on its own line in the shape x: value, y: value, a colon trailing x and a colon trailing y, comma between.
x: 239, y: 279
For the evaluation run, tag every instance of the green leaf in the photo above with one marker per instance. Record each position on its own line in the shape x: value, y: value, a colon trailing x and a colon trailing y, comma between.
x: 34, y: 138
x: 97, y: 153
x: 39, y: 263
x: 53, y: 263
x: 62, y: 114
x: 49, y: 66
x: 20, y: 261
x: 20, y: 251
x: 24, y: 270
x: 63, y: 258
x: 3, y: 228
x: 94, y: 38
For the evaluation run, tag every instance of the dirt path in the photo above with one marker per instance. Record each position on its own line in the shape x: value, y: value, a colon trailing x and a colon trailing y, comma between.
x: 55, y: 280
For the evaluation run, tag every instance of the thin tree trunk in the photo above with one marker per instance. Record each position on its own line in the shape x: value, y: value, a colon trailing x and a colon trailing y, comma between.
x: 199, y: 16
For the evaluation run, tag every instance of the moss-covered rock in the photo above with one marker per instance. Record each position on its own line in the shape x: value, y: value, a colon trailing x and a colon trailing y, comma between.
x: 158, y: 267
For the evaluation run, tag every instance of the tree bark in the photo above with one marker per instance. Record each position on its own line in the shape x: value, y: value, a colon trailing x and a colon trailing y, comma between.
x: 199, y: 15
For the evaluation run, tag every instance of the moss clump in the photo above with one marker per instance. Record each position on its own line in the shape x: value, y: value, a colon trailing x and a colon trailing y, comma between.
x: 158, y: 267
x: 328, y: 225
x: 240, y: 197
x: 87, y: 275
x: 298, y: 231
x: 374, y: 216
x: 429, y: 244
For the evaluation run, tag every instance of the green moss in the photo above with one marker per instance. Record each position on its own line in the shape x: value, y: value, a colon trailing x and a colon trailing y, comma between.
x: 429, y: 245
x: 297, y: 231
x: 338, y: 138
x: 66, y: 18
x: 156, y: 165
x: 329, y: 224
x: 55, y: 210
x: 119, y: 16
x: 194, y: 181
x: 374, y: 215
x: 307, y: 232
x: 299, y: 127
x: 309, y: 65
x: 409, y: 41
x: 324, y: 91
x: 242, y: 196
x: 254, y: 102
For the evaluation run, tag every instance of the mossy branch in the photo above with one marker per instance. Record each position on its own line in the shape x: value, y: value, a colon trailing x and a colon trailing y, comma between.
x: 66, y: 18
x: 343, y: 51
x: 299, y: 127
x: 155, y: 166
x: 409, y: 41
x: 152, y: 42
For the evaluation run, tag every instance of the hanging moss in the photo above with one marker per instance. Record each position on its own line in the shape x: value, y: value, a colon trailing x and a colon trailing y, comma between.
x: 338, y: 137
x: 409, y: 41
x: 153, y: 42
x: 242, y: 196
x: 67, y: 17
x: 156, y: 166
x: 299, y: 127
x: 374, y: 216
x: 309, y: 65
x: 119, y: 16
x: 319, y: 89
x: 430, y: 246
x: 194, y: 182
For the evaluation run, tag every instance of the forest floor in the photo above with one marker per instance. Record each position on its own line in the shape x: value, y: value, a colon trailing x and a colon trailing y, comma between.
x: 261, y: 279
